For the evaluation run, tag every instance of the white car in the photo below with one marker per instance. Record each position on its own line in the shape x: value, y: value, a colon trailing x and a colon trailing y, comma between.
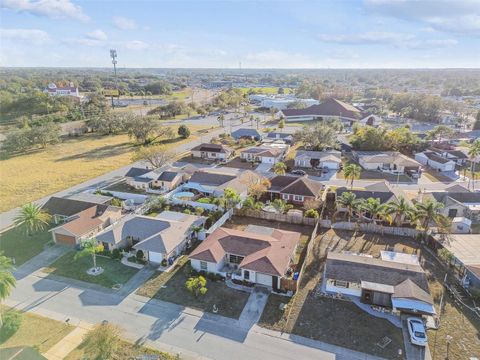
x: 418, y: 335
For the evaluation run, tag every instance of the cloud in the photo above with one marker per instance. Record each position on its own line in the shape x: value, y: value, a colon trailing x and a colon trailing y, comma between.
x: 97, y: 35
x: 455, y: 16
x: 30, y: 35
x: 55, y: 9
x: 278, y: 59
x: 367, y: 38
x: 124, y: 23
x: 135, y: 45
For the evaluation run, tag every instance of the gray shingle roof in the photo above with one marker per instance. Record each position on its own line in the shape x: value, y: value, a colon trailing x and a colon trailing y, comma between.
x: 212, y: 179
x: 246, y: 133
x: 134, y: 172
x: 167, y: 176
x: 66, y: 207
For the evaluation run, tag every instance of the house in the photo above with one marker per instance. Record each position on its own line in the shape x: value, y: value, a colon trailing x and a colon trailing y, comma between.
x: 285, y: 137
x: 372, y: 120
x: 294, y: 189
x: 456, y: 203
x: 62, y: 208
x: 167, y: 180
x: 135, y: 178
x: 398, y: 284
x: 85, y: 224
x: 435, y: 161
x: 259, y: 255
x: 54, y: 90
x: 465, y: 250
x: 213, y: 181
x: 330, y: 108
x: 212, y: 152
x: 162, y: 179
x: 457, y: 156
x: 318, y: 159
x: 392, y: 162
x: 91, y: 198
x: 246, y: 133
x: 263, y: 154
x: 282, y: 103
x: 161, y: 237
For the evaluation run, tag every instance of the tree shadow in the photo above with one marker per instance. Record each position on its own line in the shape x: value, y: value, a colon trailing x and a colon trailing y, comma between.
x: 99, y: 153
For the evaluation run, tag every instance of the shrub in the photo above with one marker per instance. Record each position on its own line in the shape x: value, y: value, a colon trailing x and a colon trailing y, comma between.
x: 311, y: 213
x: 164, y: 262
x: 140, y: 255
x: 197, y: 285
x: 102, y: 341
x: 116, y: 202
x: 187, y: 211
x: 132, y: 259
x: 116, y: 254
x: 199, y: 211
x: 183, y: 131
x: 204, y: 200
x: 11, y: 323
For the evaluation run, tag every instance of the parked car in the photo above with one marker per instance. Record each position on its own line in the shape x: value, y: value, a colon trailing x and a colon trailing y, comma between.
x: 298, y: 172
x: 416, y: 329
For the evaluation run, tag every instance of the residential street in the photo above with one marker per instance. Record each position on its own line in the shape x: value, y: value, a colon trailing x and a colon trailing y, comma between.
x: 165, y: 326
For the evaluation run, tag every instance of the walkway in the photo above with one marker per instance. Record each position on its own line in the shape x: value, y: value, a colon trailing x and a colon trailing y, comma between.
x: 254, y: 307
x: 70, y: 342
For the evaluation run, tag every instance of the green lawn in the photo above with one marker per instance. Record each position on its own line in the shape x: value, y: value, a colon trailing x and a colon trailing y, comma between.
x: 37, y: 331
x: 15, y: 243
x: 171, y: 287
x: 114, y: 271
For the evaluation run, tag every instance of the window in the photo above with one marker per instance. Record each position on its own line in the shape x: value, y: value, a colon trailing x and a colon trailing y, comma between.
x: 246, y: 274
x: 285, y: 196
x: 234, y: 259
x: 298, y: 198
x: 452, y: 213
x: 203, y: 265
x: 213, y: 155
x: 340, y: 283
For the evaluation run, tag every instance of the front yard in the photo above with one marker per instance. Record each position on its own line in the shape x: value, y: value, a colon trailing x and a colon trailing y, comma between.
x: 122, y: 186
x: 36, y: 331
x: 114, y: 271
x: 16, y: 244
x: 342, y: 323
x: 170, y: 286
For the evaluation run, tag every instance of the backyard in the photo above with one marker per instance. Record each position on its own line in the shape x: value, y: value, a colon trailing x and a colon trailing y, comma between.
x: 170, y: 286
x: 31, y: 176
x: 311, y: 315
x: 17, y: 244
x: 36, y: 331
x: 114, y: 271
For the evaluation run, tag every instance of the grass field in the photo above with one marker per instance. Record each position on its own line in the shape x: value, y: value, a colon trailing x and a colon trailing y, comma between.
x: 266, y: 90
x: 114, y: 271
x: 37, y: 331
x: 15, y: 243
x: 29, y: 177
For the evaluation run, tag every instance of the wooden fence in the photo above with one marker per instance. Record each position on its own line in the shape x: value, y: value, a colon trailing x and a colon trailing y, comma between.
x: 292, y: 219
x: 373, y: 228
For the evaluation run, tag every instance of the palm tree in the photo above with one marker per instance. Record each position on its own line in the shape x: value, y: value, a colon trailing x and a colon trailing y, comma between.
x: 427, y: 212
x: 221, y: 119
x: 473, y: 153
x: 349, y: 201
x: 33, y: 217
x: 231, y: 198
x: 90, y: 247
x: 280, y: 168
x: 281, y: 206
x: 400, y: 208
x: 7, y: 280
x: 374, y: 208
x: 352, y: 172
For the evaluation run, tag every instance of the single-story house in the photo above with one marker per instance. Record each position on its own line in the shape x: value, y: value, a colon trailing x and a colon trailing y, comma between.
x: 91, y: 198
x: 246, y: 133
x: 465, y: 249
x: 294, y: 189
x: 62, y: 208
x: 330, y: 108
x: 137, y: 178
x: 435, y: 161
x: 263, y: 154
x: 161, y: 237
x: 213, y: 181
x: 387, y: 161
x: 458, y: 156
x: 391, y: 282
x: 461, y: 225
x: 456, y: 204
x: 85, y: 224
x: 318, y: 159
x: 212, y: 152
x: 287, y: 138
x: 167, y: 180
x: 259, y: 255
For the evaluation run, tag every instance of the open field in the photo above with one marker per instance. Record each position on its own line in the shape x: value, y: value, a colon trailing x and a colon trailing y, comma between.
x: 125, y: 350
x: 170, y: 286
x: 266, y: 90
x: 15, y: 243
x: 114, y: 271
x: 29, y: 177
x: 342, y: 323
x: 37, y: 331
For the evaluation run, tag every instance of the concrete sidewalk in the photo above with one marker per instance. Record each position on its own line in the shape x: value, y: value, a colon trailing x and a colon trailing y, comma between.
x: 69, y: 343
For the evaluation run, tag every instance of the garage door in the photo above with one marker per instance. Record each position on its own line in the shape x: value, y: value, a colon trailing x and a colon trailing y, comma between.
x: 65, y: 239
x: 330, y: 165
x: 264, y: 279
x: 155, y: 257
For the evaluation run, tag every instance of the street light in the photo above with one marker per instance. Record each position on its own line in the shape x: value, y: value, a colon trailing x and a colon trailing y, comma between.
x: 449, y: 339
x: 113, y: 55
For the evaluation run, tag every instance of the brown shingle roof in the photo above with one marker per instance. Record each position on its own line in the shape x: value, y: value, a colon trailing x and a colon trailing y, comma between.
x: 269, y: 254
x: 66, y: 207
x: 216, y: 148
x: 330, y: 107
x: 89, y: 219
x: 303, y: 186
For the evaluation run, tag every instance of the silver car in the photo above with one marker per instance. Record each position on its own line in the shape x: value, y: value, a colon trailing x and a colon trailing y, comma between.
x: 416, y: 329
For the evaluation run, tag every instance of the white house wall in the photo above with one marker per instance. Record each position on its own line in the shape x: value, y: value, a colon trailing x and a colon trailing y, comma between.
x: 347, y: 291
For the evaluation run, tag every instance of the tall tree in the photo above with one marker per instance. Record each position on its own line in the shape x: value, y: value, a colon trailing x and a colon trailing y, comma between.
x: 317, y: 137
x: 374, y: 208
x: 90, y: 247
x: 349, y: 201
x: 427, y: 212
x: 101, y: 342
x: 157, y: 155
x: 7, y: 280
x: 352, y: 172
x: 473, y: 154
x: 32, y: 217
x: 476, y: 124
x: 400, y: 209
x: 280, y: 168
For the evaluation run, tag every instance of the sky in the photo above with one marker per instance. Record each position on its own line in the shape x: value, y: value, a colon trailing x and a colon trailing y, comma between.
x: 250, y: 34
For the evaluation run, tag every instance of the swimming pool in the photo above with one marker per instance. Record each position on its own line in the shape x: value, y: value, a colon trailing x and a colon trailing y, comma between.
x: 183, y: 195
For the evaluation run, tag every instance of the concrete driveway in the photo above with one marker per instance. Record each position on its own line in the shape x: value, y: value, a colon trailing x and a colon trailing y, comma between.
x: 413, y: 352
x: 254, y: 307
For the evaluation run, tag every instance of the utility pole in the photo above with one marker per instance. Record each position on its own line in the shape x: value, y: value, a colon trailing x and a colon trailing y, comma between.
x: 113, y: 55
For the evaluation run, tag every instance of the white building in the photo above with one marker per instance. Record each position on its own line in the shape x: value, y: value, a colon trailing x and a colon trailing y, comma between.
x: 435, y: 161
x: 54, y: 90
